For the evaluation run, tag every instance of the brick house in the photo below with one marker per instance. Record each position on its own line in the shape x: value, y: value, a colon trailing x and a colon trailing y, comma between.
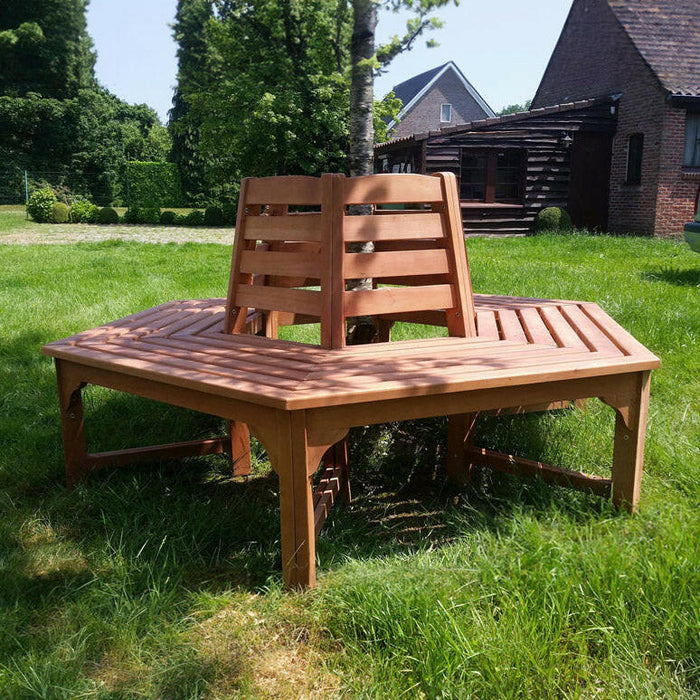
x: 647, y: 52
x: 439, y: 97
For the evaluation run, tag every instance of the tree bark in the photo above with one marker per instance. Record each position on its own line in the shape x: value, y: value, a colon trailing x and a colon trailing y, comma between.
x: 362, y: 329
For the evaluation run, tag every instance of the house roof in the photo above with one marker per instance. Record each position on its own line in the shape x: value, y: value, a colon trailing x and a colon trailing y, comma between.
x: 667, y: 35
x: 411, y: 90
x: 504, y: 118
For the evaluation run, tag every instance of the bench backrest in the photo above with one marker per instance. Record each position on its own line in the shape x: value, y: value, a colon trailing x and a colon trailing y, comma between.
x: 292, y: 255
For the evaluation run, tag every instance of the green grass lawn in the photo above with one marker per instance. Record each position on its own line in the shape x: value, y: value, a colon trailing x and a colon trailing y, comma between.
x: 12, y: 217
x: 164, y: 580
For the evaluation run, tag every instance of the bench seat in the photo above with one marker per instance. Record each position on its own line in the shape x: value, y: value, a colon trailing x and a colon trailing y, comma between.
x: 519, y: 341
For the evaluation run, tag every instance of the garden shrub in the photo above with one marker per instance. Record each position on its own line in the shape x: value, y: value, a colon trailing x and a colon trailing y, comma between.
x: 132, y: 216
x: 83, y: 211
x: 553, y: 219
x: 60, y: 213
x: 150, y: 215
x: 168, y: 218
x: 195, y: 218
x: 40, y: 204
x: 229, y: 211
x: 154, y: 185
x: 213, y: 216
x: 181, y: 219
x: 107, y: 215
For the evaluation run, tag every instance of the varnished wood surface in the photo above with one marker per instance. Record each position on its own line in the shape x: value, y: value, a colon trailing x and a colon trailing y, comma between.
x: 519, y: 340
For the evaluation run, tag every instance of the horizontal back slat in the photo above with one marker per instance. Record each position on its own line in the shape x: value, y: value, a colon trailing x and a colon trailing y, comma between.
x: 295, y: 190
x: 300, y: 301
x: 265, y: 262
x: 396, y: 264
x: 389, y: 300
x: 292, y: 227
x: 390, y: 227
x: 392, y: 189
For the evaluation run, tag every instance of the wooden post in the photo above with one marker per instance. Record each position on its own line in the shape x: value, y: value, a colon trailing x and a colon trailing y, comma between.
x: 240, y: 448
x: 460, y: 431
x: 72, y: 424
x: 628, y: 451
x: 291, y: 460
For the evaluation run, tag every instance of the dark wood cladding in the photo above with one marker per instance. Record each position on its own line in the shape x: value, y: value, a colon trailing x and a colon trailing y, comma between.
x: 547, y: 165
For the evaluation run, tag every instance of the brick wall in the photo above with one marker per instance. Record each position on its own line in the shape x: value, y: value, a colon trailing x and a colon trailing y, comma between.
x: 676, y: 190
x: 594, y: 57
x: 425, y: 115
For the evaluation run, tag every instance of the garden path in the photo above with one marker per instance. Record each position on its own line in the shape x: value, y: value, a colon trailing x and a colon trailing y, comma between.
x: 90, y: 233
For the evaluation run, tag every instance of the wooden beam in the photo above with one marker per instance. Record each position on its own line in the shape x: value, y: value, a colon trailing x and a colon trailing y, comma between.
x: 528, y: 467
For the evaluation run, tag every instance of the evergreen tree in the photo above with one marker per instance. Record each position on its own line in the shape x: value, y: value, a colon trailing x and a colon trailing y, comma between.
x: 189, y: 32
x: 45, y: 48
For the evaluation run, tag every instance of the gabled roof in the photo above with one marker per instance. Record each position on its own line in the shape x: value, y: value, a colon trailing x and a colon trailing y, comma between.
x: 667, y: 35
x: 411, y: 90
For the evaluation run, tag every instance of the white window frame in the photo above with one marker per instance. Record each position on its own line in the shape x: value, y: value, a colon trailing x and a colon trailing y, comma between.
x: 442, y: 107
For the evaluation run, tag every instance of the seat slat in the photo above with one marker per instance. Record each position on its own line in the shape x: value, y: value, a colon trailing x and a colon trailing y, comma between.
x: 397, y: 299
x: 535, y: 327
x: 510, y: 325
x: 302, y: 301
x: 265, y: 262
x: 486, y: 325
x: 392, y: 227
x: 290, y: 227
x: 396, y: 265
x: 560, y: 329
x: 389, y: 189
x: 592, y: 334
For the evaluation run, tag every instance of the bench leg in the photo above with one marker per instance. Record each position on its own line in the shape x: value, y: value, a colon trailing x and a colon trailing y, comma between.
x: 240, y: 448
x: 628, y: 451
x: 292, y: 462
x: 460, y: 431
x: 72, y: 424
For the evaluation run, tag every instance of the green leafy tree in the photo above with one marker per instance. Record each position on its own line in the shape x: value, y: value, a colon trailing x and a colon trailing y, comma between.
x: 514, y: 108
x: 189, y: 33
x: 53, y: 114
x: 275, y: 100
x: 45, y: 48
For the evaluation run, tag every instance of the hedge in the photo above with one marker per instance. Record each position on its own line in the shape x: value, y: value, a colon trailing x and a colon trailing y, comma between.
x: 154, y: 185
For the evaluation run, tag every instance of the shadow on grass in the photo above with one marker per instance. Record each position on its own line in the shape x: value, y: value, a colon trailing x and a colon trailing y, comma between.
x: 674, y: 276
x: 191, y: 524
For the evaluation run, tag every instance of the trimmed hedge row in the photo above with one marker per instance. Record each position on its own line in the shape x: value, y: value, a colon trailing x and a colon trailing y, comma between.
x: 154, y: 185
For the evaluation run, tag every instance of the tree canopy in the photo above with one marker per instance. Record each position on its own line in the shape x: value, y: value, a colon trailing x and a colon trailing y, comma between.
x: 55, y: 120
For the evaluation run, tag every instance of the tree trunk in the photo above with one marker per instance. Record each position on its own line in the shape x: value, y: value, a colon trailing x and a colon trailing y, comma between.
x: 362, y: 330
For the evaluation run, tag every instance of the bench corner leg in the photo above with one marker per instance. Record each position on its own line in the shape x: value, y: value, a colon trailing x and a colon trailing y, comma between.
x: 628, y: 450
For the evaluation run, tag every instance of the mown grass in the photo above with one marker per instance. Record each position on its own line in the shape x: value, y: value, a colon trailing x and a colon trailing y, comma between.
x: 11, y: 218
x: 163, y: 580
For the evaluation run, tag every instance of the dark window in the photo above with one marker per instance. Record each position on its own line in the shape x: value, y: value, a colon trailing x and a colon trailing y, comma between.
x: 635, y: 148
x: 492, y: 175
x: 473, y: 179
x: 691, y: 151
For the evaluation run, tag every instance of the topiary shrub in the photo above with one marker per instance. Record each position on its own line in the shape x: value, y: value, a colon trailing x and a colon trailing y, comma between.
x: 60, y: 213
x: 181, y: 219
x: 132, y: 215
x: 107, y: 215
x: 553, y: 219
x: 150, y: 215
x: 83, y: 211
x: 40, y: 204
x: 213, y: 216
x: 168, y: 218
x: 195, y: 218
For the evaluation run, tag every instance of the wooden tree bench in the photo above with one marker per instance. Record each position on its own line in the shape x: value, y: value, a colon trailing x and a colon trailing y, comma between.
x: 291, y: 264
